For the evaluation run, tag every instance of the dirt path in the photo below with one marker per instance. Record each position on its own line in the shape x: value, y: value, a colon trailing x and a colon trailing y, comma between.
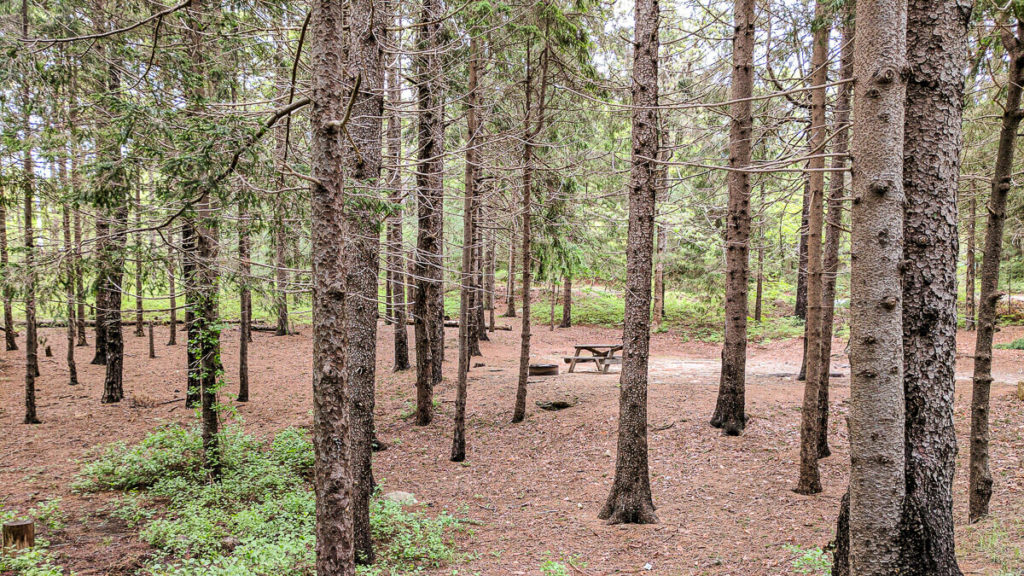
x: 532, y: 491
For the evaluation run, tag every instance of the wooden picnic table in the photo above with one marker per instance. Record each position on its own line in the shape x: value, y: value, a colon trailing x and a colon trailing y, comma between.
x: 602, y: 355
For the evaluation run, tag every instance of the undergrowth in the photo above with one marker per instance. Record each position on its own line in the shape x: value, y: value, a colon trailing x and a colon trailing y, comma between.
x: 259, y: 519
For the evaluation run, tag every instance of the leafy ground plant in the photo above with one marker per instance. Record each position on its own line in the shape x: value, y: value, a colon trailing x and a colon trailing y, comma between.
x: 258, y: 520
x: 810, y: 561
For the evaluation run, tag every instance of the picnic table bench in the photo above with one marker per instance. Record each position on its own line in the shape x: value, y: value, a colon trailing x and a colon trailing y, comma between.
x: 602, y: 355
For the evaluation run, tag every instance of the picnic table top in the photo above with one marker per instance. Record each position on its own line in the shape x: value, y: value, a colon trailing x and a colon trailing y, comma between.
x: 598, y: 346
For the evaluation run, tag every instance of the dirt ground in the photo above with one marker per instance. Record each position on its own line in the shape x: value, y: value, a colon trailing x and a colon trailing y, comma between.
x: 531, y: 491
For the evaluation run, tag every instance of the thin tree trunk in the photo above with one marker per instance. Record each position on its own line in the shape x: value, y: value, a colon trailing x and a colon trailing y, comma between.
x: 759, y: 288
x: 876, y: 349
x: 245, y: 298
x: 139, y: 321
x: 800, y: 310
x: 510, y: 282
x: 281, y: 275
x: 429, y: 303
x: 69, y: 293
x: 630, y: 499
x: 970, y: 308
x: 730, y: 413
x: 489, y: 280
x: 936, y: 58
x: 980, y: 486
x: 810, y: 480
x: 394, y: 223
x: 660, y: 244
x: 533, y: 129
x: 9, y: 329
x: 31, y: 340
x: 173, y: 320
x: 566, y: 303
x: 834, y: 227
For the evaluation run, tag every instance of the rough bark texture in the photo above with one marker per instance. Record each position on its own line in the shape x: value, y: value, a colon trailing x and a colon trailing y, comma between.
x: 332, y: 434
x: 810, y: 481
x: 876, y: 349
x: 566, y: 303
x: 189, y: 270
x: 172, y: 324
x: 394, y: 256
x: 113, y: 277
x: 630, y: 500
x: 510, y: 281
x: 429, y: 302
x: 936, y: 60
x: 730, y: 413
x: 79, y: 269
x: 980, y: 486
x: 139, y: 330
x: 281, y: 275
x: 69, y: 295
x: 28, y: 189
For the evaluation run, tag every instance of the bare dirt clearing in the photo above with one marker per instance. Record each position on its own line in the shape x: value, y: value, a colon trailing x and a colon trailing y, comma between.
x: 530, y: 491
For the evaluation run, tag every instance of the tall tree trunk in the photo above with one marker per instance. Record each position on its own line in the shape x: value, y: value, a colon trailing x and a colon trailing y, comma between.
x: 467, y: 323
x: 281, y: 273
x: 429, y: 302
x: 533, y: 129
x: 102, y: 226
x: 79, y: 269
x: 759, y: 286
x: 630, y: 500
x: 189, y: 280
x: 245, y: 300
x: 970, y: 279
x: 980, y: 487
x: 510, y: 281
x: 876, y: 349
x: 479, y: 273
x: 660, y: 243
x: 172, y: 265
x: 730, y: 413
x: 139, y: 320
x: 936, y: 59
x: 489, y: 278
x: 800, y: 310
x: 567, y: 303
x: 69, y: 294
x: 810, y: 481
x: 9, y: 329
x: 395, y: 259
x: 28, y: 178
x: 834, y: 225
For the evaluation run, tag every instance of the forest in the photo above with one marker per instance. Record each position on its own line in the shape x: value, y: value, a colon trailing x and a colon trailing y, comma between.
x: 504, y: 287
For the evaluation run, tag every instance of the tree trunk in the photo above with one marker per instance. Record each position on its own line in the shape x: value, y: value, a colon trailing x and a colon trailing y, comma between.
x: 936, y: 59
x: 800, y: 310
x: 533, y: 129
x: 394, y: 257
x: 9, y: 330
x: 479, y: 272
x: 810, y: 480
x: 102, y: 226
x: 28, y: 177
x: 510, y: 282
x: 281, y: 275
x: 489, y: 279
x: 173, y: 320
x: 79, y: 269
x: 429, y: 303
x: 660, y: 243
x: 980, y: 487
x: 189, y: 280
x: 970, y: 308
x: 730, y: 413
x: 69, y: 294
x: 759, y: 289
x: 139, y: 329
x: 467, y: 273
x: 566, y: 303
x: 834, y: 226
x: 630, y: 500
x: 245, y: 300
x: 876, y: 349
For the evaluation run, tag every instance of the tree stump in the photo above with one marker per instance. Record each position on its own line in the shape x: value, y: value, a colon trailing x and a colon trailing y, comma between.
x: 19, y: 534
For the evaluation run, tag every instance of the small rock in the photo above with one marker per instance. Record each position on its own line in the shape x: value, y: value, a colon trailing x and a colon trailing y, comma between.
x: 229, y: 543
x: 648, y: 566
x: 403, y: 498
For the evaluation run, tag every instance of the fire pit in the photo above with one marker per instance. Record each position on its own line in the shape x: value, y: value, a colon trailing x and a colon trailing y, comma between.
x: 543, y: 369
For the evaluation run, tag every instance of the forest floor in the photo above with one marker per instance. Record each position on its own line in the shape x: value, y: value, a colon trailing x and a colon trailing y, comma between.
x: 530, y: 492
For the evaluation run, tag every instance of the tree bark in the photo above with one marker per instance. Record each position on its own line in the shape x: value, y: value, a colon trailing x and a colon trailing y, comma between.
x: 800, y: 310
x: 630, y: 500
x: 139, y: 329
x: 566, y: 303
x: 245, y: 300
x: 970, y: 279
x: 429, y: 302
x: 69, y: 295
x: 79, y: 269
x: 28, y: 177
x: 173, y: 320
x: 876, y: 350
x: 730, y: 413
x: 510, y: 281
x: 980, y: 484
x: 9, y: 330
x: 834, y: 225
x: 810, y: 480
x: 394, y: 255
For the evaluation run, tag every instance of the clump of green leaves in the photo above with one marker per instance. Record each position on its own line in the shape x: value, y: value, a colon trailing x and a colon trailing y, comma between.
x: 258, y: 520
x: 810, y: 561
x: 1017, y: 344
x: 35, y: 561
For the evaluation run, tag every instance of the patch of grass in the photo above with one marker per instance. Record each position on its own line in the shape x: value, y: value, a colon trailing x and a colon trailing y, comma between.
x: 258, y: 520
x: 36, y: 561
x: 810, y: 560
x: 998, y: 542
x: 1017, y: 344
